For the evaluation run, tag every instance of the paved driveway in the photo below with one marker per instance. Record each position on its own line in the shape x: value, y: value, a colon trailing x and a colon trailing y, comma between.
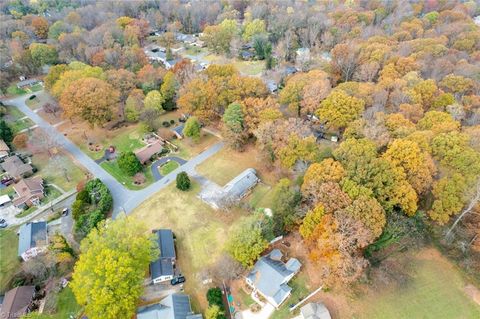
x: 156, y: 165
x: 123, y: 199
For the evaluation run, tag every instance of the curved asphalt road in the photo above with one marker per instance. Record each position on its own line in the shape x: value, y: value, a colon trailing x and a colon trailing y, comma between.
x: 156, y: 165
x: 123, y: 199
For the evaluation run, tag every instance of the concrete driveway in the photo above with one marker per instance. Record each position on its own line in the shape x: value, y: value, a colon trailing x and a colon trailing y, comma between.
x: 265, y: 313
x: 8, y: 213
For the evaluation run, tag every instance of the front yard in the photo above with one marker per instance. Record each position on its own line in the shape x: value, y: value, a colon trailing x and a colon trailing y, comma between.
x: 16, y: 119
x: 113, y: 169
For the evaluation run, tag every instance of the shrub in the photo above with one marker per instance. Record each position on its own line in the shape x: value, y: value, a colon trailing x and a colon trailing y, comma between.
x: 172, y: 121
x: 166, y: 124
x: 183, y: 181
x: 214, y: 297
x: 20, y: 141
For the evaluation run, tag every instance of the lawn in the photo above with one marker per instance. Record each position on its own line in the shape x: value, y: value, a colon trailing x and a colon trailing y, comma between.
x: 26, y: 212
x: 16, y: 119
x: 9, y: 262
x: 226, y: 164
x: 249, y: 67
x: 261, y: 196
x: 188, y: 148
x: 201, y: 232
x: 435, y: 290
x: 168, y: 167
x: 7, y: 190
x: 20, y: 125
x: 14, y: 90
x: 66, y: 306
x: 113, y: 169
x: 62, y: 171
x: 33, y: 103
x: 299, y: 291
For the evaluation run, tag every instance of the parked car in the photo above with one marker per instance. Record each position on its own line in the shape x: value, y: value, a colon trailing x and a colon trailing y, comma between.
x: 7, y: 181
x: 65, y: 211
x: 3, y: 223
x: 177, y: 280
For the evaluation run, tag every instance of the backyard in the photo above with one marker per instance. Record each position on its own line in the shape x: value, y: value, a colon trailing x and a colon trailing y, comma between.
x: 9, y: 262
x: 200, y: 232
x: 66, y: 306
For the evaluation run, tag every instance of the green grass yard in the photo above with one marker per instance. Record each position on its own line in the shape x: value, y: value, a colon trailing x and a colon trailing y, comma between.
x: 299, y: 291
x: 66, y: 306
x: 168, y: 167
x: 14, y: 90
x: 113, y: 169
x: 261, y: 196
x: 435, y: 290
x: 9, y: 262
x: 21, y: 124
x: 16, y: 119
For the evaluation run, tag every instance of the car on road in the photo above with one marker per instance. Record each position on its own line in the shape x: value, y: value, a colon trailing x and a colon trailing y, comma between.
x: 177, y: 280
x: 65, y: 212
x: 3, y: 223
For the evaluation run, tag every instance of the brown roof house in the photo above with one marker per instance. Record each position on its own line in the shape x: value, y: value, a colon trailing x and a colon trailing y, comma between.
x: 16, y: 168
x: 145, y: 153
x: 17, y: 302
x: 30, y: 191
x: 4, y: 149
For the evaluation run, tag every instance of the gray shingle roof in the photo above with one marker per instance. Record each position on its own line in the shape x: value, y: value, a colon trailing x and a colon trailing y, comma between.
x: 163, y: 265
x: 175, y: 306
x: 179, y: 129
x: 32, y: 235
x: 315, y: 311
x: 269, y: 276
x: 238, y: 186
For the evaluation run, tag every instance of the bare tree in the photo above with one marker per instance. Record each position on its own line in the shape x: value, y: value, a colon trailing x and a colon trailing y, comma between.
x: 468, y: 209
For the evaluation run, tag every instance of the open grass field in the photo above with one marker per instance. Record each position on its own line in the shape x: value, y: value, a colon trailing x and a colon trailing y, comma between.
x: 227, y: 164
x: 9, y: 263
x: 201, y: 232
x: 261, y: 196
x: 435, y: 289
x: 252, y: 68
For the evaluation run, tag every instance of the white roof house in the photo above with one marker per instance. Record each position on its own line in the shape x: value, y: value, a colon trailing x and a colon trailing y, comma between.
x: 4, y: 199
x: 270, y: 276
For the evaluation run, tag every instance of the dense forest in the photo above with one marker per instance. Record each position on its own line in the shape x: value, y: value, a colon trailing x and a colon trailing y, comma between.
x: 374, y: 138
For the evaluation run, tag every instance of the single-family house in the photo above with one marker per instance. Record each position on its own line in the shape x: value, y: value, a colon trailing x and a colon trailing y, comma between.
x: 32, y: 240
x: 270, y: 277
x: 247, y: 55
x: 234, y: 190
x: 17, y: 302
x: 174, y: 306
x: 4, y: 149
x: 17, y: 169
x: 314, y: 310
x: 163, y: 268
x: 178, y: 131
x: 30, y: 192
x: 27, y: 83
x: 145, y: 153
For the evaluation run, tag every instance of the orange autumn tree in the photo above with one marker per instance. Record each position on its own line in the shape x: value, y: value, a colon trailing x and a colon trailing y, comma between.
x: 91, y: 99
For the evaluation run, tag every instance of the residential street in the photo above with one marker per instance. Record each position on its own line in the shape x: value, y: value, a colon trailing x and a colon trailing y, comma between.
x: 123, y: 198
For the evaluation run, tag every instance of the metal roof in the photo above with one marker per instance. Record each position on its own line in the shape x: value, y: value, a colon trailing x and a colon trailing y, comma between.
x: 163, y: 265
x: 175, y: 306
x: 238, y: 186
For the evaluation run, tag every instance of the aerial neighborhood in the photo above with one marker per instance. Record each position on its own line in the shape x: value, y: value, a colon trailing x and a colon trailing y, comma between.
x: 239, y: 159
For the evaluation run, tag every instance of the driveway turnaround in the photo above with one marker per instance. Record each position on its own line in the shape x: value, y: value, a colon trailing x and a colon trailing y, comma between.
x: 123, y: 199
x: 155, y: 167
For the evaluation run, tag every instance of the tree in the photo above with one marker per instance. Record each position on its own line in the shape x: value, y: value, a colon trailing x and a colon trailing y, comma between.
x: 438, y: 122
x: 327, y: 170
x: 154, y: 100
x: 134, y: 105
x: 311, y: 221
x: 168, y: 90
x: 183, y: 181
x: 122, y: 80
x: 246, y: 244
x: 6, y: 133
x: 234, y: 129
x: 285, y: 200
x: 345, y: 60
x: 253, y: 28
x: 40, y: 27
x: 129, y: 163
x: 192, y: 128
x: 218, y: 37
x: 20, y: 141
x: 449, y: 198
x: 339, y: 109
x: 299, y: 150
x: 92, y: 99
x: 259, y: 110
x: 369, y: 212
x: 417, y: 165
x: 424, y: 93
x: 214, y: 312
x: 43, y: 53
x: 54, y: 74
x: 457, y: 84
x: 263, y: 47
x: 108, y: 277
